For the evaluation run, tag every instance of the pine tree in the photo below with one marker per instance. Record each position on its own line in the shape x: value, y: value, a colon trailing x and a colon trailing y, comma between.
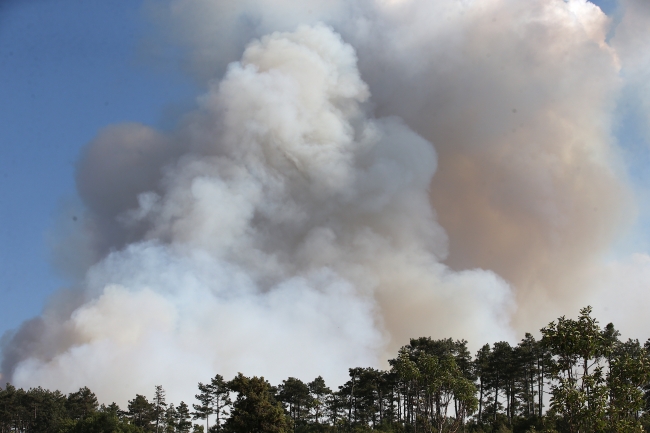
x: 171, y: 416
x: 183, y: 423
x: 255, y: 409
x: 319, y: 392
x: 295, y: 394
x: 141, y: 412
x: 81, y: 404
x: 159, y: 407
x: 221, y: 400
x: 206, y: 406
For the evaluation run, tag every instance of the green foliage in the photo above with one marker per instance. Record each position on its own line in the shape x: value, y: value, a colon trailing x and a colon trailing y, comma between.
x: 294, y: 393
x: 99, y: 422
x: 34, y: 410
x: 597, y: 383
x: 159, y: 407
x: 319, y: 393
x: 214, y: 399
x: 141, y: 413
x: 182, y: 421
x: 81, y: 404
x: 580, y: 352
x: 255, y: 410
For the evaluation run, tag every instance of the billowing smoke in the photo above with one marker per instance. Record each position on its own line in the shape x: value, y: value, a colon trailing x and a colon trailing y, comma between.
x: 518, y: 100
x: 356, y: 173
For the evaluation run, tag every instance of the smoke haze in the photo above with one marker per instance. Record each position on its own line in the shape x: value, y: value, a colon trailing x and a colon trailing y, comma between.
x: 355, y: 174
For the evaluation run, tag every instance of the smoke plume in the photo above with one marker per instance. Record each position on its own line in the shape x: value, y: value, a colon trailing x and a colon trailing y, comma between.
x: 356, y: 173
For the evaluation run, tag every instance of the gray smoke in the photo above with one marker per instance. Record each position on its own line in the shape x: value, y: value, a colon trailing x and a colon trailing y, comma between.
x: 300, y: 222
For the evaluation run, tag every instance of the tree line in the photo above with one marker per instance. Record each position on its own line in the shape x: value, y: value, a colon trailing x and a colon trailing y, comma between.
x: 577, y: 378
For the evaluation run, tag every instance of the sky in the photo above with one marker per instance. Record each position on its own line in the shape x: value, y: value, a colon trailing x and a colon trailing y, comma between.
x: 70, y: 69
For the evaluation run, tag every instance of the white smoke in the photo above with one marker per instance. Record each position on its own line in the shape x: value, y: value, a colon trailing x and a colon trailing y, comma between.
x: 518, y: 99
x: 621, y: 295
x: 287, y: 227
x: 293, y: 237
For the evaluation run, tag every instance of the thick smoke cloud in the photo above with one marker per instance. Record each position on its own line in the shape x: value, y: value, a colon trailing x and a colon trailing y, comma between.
x: 356, y: 173
x: 293, y: 235
x: 518, y: 100
x: 528, y: 184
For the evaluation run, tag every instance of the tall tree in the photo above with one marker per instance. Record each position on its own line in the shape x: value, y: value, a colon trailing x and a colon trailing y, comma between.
x: 295, y: 394
x: 82, y: 403
x: 159, y: 407
x: 205, y: 408
x: 255, y: 410
x: 319, y: 393
x: 141, y: 412
x: 579, y: 394
x: 221, y: 400
x: 171, y: 416
x: 629, y: 372
x: 183, y: 418
x: 482, y: 371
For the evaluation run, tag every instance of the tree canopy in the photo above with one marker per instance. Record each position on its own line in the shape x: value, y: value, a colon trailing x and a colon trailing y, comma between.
x: 578, y: 377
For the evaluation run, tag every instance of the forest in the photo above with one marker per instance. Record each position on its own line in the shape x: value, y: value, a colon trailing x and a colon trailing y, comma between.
x: 578, y: 377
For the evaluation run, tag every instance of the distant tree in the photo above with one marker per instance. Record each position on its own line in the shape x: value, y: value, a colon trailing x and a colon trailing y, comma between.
x: 141, y: 412
x: 579, y: 393
x: 81, y: 404
x: 295, y: 394
x: 319, y: 393
x: 220, y: 401
x: 214, y: 398
x: 482, y: 371
x: 37, y: 409
x: 100, y: 422
x: 255, y: 410
x: 504, y: 373
x: 112, y: 409
x: 205, y: 408
x: 171, y: 416
x: 526, y: 355
x: 629, y: 372
x: 183, y: 423
x: 159, y: 407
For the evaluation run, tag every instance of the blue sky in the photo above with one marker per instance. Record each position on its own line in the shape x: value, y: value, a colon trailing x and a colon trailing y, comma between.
x: 67, y: 69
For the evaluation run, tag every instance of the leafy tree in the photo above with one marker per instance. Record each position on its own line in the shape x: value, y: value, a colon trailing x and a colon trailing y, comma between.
x: 141, y: 412
x: 335, y: 409
x: 629, y: 371
x: 100, y: 422
x: 362, y: 397
x: 319, y: 393
x: 579, y: 395
x: 295, y: 394
x: 214, y: 398
x: 34, y: 410
x: 255, y: 410
x: 432, y: 383
x: 81, y: 404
